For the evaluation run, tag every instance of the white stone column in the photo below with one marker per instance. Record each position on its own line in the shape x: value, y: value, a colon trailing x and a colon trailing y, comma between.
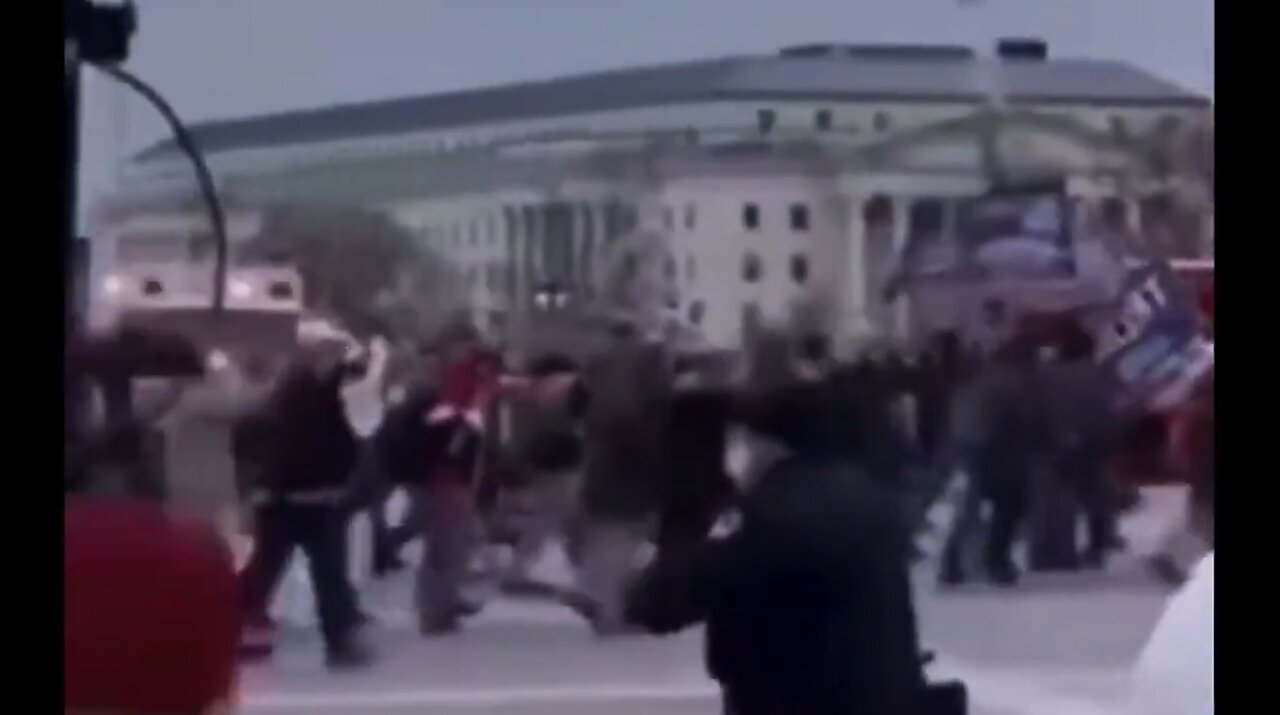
x: 523, y: 278
x: 588, y: 262
x: 901, y: 308
x: 538, y: 239
x: 951, y: 221
x: 574, y: 250
x: 1133, y: 214
x: 853, y: 317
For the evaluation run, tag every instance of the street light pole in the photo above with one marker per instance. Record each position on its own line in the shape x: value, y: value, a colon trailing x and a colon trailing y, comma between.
x: 204, y: 178
x: 99, y: 35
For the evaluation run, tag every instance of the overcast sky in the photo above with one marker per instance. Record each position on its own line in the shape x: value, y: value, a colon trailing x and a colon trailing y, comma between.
x: 224, y: 58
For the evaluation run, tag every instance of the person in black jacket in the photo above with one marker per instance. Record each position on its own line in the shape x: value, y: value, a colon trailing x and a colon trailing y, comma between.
x: 303, y: 485
x: 625, y: 425
x: 808, y: 603
x: 545, y: 459
x: 999, y: 432
x: 403, y: 454
x: 696, y: 485
x: 1082, y: 430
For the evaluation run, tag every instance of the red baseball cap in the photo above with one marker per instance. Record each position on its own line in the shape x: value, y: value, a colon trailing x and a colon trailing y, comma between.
x: 150, y: 623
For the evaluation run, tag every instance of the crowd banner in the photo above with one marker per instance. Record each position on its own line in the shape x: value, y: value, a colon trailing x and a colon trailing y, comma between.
x: 1022, y: 233
x: 1148, y: 341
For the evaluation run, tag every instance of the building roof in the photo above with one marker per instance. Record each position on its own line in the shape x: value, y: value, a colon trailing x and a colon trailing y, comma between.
x: 814, y: 72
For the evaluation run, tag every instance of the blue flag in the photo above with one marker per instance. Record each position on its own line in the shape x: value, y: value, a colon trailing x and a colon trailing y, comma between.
x: 1149, y: 341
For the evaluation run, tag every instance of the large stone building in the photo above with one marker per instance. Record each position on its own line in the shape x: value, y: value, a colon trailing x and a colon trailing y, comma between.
x: 749, y: 184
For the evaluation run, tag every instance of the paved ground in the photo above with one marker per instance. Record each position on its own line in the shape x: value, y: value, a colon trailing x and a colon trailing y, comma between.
x: 1056, y: 645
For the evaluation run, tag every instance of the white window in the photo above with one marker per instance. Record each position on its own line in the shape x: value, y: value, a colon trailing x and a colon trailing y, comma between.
x: 751, y: 217
x: 690, y: 216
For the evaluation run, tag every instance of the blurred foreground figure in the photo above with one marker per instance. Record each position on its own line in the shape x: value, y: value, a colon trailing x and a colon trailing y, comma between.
x: 109, y: 430
x: 199, y: 435
x: 697, y: 486
x: 1193, y: 455
x: 1174, y: 675
x: 150, y: 625
x: 807, y: 603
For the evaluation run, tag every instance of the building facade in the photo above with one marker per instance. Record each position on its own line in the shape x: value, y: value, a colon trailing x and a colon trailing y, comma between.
x: 738, y: 190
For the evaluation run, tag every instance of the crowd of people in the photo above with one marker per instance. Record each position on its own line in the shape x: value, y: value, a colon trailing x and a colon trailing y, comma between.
x: 797, y: 557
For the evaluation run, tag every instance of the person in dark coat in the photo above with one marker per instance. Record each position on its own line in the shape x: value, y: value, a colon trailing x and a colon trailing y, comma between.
x: 868, y: 393
x: 998, y: 432
x: 625, y: 423
x: 457, y: 428
x: 696, y: 486
x: 544, y: 460
x: 403, y: 453
x: 808, y: 603
x: 937, y: 378
x: 253, y: 437
x: 300, y: 503
x: 1083, y: 429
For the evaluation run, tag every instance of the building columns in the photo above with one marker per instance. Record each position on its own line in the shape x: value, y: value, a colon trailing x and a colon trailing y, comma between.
x: 1133, y: 215
x: 900, y: 310
x: 853, y: 315
x: 589, y: 248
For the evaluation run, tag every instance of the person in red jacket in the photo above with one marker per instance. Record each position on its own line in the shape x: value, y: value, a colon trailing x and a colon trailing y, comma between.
x: 472, y: 380
x: 150, y: 623
x: 1191, y: 451
x: 456, y: 425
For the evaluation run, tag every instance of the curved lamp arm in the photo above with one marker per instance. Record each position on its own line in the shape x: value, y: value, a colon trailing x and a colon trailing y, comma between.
x: 203, y: 177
